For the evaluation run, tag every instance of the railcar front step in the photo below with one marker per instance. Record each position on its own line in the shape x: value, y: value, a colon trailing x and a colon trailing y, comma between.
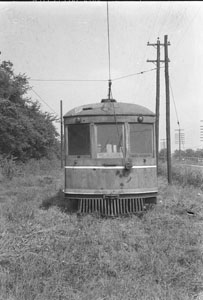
x: 111, y: 205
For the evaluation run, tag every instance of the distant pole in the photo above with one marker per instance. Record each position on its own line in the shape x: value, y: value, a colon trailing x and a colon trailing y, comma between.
x: 157, y: 99
x: 178, y: 141
x: 163, y: 143
x: 168, y: 135
x: 181, y: 139
x: 61, y: 113
x: 157, y: 61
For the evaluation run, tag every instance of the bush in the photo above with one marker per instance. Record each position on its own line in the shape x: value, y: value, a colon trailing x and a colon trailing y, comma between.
x: 26, y: 132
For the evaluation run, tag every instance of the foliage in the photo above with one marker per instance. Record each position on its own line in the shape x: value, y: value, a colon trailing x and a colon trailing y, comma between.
x: 183, y: 174
x: 25, y: 131
x: 163, y: 154
x: 188, y: 153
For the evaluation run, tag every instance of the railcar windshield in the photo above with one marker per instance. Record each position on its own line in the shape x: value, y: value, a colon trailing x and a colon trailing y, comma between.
x: 110, y: 140
x: 79, y: 139
x: 141, y: 139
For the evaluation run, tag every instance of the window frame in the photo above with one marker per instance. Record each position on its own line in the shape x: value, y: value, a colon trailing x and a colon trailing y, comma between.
x: 152, y: 154
x: 68, y: 142
x: 123, y: 153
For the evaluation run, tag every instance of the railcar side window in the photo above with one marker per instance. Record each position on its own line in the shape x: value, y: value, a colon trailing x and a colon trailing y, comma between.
x: 110, y: 140
x: 141, y: 139
x: 79, y: 139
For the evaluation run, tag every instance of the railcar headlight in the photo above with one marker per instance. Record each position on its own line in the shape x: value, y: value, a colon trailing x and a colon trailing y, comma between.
x: 140, y: 119
x: 77, y: 120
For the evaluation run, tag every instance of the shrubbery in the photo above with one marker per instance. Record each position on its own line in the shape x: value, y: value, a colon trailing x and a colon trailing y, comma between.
x: 25, y: 131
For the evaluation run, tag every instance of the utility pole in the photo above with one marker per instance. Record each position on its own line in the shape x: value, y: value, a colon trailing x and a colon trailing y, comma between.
x: 179, y: 140
x: 163, y: 146
x: 157, y: 61
x: 163, y: 141
x: 168, y: 135
x: 61, y: 114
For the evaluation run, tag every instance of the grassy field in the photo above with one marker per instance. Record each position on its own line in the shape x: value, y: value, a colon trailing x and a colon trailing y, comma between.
x: 184, y: 174
x: 46, y: 253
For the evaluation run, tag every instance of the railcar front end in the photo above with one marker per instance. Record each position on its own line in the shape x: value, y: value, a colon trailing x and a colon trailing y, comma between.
x: 110, y: 163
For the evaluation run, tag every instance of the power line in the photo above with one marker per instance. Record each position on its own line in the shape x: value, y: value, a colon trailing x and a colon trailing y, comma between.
x: 92, y: 80
x: 43, y: 100
x: 71, y: 80
x: 174, y: 105
x: 130, y: 75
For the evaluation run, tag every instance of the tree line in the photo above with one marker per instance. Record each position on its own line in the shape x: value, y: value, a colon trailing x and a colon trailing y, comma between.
x: 183, y: 154
x: 25, y: 131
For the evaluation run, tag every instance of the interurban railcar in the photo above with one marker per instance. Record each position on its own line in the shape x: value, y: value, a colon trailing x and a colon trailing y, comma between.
x: 110, y: 158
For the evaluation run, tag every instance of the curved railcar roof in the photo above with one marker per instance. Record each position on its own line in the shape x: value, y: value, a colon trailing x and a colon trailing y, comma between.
x: 109, y: 108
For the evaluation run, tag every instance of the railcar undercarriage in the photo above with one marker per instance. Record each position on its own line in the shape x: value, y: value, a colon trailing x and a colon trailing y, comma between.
x: 110, y: 205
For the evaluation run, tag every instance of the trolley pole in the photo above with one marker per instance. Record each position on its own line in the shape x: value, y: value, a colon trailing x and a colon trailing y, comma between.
x: 168, y: 135
x: 157, y: 61
x: 61, y: 114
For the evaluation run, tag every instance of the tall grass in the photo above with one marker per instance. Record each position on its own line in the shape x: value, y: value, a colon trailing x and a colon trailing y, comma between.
x: 184, y: 175
x: 48, y: 254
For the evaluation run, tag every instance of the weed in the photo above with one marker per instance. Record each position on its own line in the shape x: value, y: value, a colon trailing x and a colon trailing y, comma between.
x: 8, y: 166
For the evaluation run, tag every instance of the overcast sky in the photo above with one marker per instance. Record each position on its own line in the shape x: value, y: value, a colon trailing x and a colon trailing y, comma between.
x: 68, y: 41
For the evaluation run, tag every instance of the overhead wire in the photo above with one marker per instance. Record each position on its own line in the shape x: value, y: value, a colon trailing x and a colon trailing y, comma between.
x: 174, y: 104
x: 70, y: 80
x: 109, y: 65
x: 178, y: 22
x: 79, y: 80
x: 130, y: 75
x: 162, y: 28
x: 110, y: 95
x: 44, y: 101
x: 92, y: 80
x: 178, y: 122
x: 108, y: 35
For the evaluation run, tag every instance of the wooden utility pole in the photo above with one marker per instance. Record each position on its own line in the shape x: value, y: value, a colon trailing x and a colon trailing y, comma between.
x: 163, y: 141
x: 61, y: 114
x: 180, y: 139
x: 168, y: 135
x: 157, y: 61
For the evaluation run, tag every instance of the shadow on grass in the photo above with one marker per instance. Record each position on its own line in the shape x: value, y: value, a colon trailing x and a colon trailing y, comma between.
x: 61, y: 202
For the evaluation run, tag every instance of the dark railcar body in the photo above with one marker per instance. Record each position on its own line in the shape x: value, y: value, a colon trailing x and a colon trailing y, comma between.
x: 110, y: 163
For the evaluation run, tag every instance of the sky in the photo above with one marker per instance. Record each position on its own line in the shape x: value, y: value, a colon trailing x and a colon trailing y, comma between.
x: 62, y: 47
